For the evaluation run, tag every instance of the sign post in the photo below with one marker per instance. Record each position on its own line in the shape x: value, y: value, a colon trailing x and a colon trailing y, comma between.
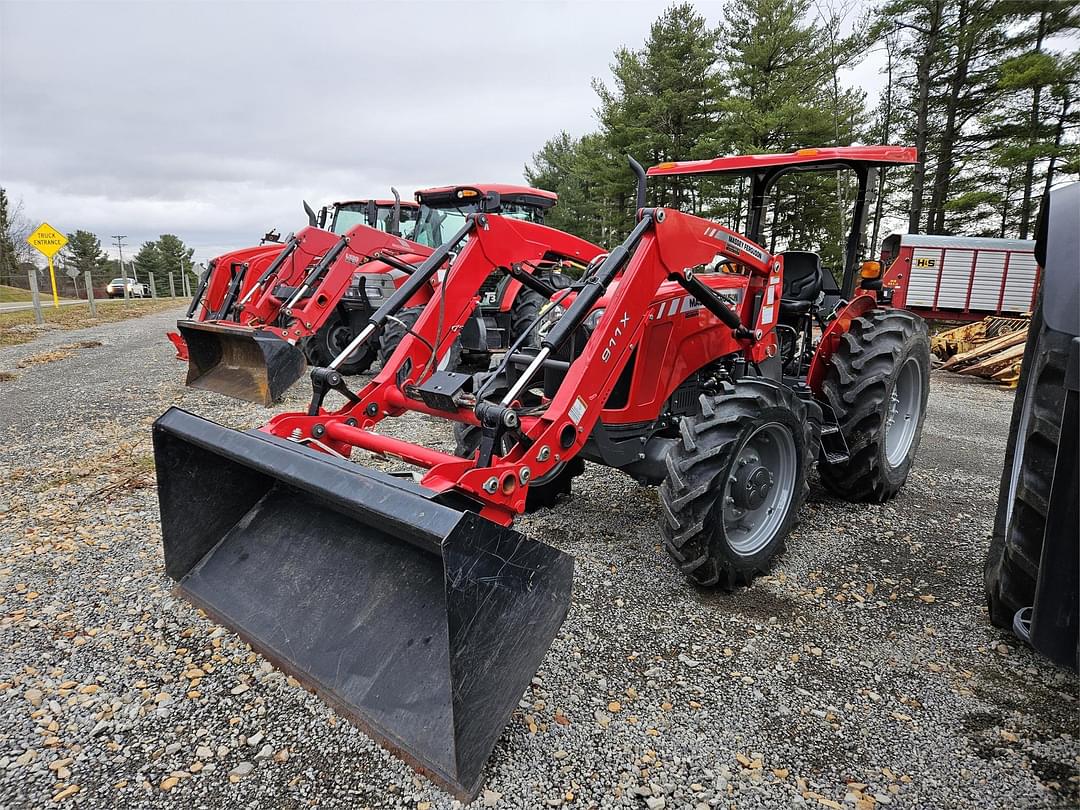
x: 73, y: 273
x: 39, y: 319
x: 90, y: 294
x: 49, y: 241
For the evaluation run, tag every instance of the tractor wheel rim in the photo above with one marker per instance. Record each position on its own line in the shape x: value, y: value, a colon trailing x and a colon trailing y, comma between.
x: 759, y: 488
x: 340, y: 336
x: 902, y: 414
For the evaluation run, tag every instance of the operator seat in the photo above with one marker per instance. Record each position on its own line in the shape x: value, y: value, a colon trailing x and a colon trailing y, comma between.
x: 803, y: 280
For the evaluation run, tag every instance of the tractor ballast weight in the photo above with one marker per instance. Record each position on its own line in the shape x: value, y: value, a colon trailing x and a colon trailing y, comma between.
x: 420, y: 622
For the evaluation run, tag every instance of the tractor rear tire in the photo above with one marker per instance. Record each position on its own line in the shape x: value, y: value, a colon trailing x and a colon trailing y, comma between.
x: 326, y: 344
x: 736, y: 479
x: 1012, y: 563
x: 393, y: 332
x: 877, y: 383
x: 528, y: 303
x: 543, y: 492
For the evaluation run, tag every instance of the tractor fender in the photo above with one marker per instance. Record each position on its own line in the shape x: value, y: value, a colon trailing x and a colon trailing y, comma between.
x: 830, y: 338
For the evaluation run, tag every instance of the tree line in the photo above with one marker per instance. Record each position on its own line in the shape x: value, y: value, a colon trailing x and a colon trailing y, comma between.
x: 983, y: 88
x: 83, y: 252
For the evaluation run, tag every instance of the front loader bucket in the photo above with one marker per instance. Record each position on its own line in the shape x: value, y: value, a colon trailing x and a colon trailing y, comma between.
x: 421, y: 623
x: 241, y: 362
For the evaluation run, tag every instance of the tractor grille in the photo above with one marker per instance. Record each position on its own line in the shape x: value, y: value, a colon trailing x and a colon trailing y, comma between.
x: 684, y: 399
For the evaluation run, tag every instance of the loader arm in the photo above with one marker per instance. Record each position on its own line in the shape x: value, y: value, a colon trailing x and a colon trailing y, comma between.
x: 318, y: 283
x: 663, y: 246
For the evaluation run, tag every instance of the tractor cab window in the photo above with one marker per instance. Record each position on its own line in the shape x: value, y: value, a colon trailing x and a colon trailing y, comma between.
x: 405, y: 223
x: 529, y: 213
x: 348, y: 216
x: 436, y: 224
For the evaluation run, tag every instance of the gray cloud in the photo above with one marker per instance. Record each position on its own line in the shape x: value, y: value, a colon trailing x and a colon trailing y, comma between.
x: 212, y: 120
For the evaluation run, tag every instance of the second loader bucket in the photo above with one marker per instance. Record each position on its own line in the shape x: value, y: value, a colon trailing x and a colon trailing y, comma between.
x: 421, y: 623
x: 241, y: 362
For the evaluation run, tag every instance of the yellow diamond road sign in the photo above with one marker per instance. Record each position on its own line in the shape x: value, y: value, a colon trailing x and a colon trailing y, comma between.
x: 47, y: 239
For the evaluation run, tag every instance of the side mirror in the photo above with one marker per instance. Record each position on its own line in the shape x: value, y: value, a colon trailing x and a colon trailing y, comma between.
x: 491, y: 203
x: 371, y: 213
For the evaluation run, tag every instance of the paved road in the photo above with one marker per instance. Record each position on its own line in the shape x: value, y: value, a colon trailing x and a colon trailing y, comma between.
x: 46, y: 301
x: 861, y: 672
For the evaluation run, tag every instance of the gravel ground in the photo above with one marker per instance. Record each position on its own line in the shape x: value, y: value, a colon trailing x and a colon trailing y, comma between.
x: 862, y: 672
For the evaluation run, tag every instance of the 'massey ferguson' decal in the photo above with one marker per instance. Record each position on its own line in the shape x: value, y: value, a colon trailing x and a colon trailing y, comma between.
x: 687, y: 304
x: 736, y: 246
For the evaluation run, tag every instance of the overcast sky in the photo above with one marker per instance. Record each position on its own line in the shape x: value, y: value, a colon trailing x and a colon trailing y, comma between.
x: 212, y: 120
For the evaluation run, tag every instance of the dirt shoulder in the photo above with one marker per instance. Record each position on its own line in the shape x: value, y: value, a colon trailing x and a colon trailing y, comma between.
x: 19, y: 327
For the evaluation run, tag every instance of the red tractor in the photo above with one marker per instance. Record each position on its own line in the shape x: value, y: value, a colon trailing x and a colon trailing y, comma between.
x: 309, y: 298
x: 507, y: 303
x: 689, y: 357
x: 219, y: 281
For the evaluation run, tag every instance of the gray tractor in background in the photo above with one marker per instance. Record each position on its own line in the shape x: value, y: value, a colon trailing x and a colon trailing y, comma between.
x: 1032, y: 572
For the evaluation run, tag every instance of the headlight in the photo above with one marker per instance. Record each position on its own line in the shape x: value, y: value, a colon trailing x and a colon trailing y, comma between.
x: 594, y: 319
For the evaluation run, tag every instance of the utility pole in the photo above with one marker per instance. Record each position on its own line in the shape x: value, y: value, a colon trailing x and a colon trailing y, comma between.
x: 123, y: 274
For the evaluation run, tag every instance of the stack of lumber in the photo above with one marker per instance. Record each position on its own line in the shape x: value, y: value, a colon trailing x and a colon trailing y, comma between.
x: 992, y: 348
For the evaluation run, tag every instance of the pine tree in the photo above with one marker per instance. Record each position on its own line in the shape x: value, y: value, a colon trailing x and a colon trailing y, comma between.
x: 662, y: 107
x: 9, y: 263
x: 83, y: 250
x: 176, y: 257
x: 148, y: 263
x: 1039, y: 89
x: 780, y: 72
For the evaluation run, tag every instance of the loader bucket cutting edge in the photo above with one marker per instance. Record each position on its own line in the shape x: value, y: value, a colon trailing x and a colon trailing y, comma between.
x: 240, y: 362
x: 421, y: 623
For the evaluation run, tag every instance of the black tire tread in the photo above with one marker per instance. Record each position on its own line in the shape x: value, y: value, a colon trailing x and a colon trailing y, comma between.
x: 319, y: 352
x: 393, y: 332
x: 856, y: 386
x: 689, y: 491
x: 1012, y: 563
x: 527, y: 303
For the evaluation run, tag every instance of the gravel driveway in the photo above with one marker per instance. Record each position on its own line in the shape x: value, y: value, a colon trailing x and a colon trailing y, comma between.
x: 862, y: 672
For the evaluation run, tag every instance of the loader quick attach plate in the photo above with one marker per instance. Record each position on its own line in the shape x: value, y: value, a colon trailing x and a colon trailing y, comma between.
x: 421, y: 623
x: 240, y: 362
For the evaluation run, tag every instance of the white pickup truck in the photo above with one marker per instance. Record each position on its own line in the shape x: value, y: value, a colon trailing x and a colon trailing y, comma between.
x: 136, y: 289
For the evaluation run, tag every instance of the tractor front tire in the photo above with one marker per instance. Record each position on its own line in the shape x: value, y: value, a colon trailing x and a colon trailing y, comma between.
x: 544, y: 492
x: 393, y: 332
x: 736, y: 479
x: 331, y: 339
x: 1012, y: 562
x: 528, y: 303
x: 877, y: 383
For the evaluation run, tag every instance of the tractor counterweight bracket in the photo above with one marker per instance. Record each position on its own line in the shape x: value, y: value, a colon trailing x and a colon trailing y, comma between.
x: 323, y: 381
